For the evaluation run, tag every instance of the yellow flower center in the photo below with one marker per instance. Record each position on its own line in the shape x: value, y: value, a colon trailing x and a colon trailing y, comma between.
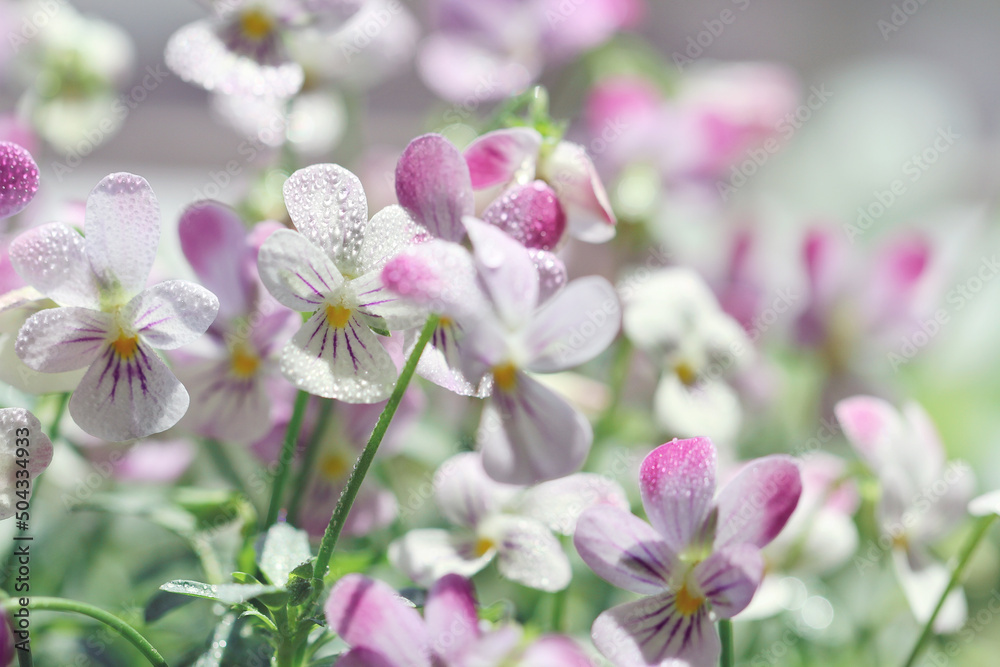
x: 338, y: 316
x: 505, y: 376
x: 686, y: 603
x: 686, y: 373
x: 445, y: 322
x: 256, y: 24
x: 244, y: 363
x: 483, y: 544
x: 333, y: 467
x: 125, y: 346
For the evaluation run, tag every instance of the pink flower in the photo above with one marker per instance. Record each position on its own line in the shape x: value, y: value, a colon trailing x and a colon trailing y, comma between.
x: 25, y: 451
x: 699, y: 560
x: 18, y: 179
x: 384, y: 630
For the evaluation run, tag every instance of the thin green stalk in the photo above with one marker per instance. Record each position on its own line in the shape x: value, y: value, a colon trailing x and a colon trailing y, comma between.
x: 217, y: 452
x: 966, y: 554
x: 727, y: 659
x: 285, y: 459
x: 559, y: 609
x: 350, y: 491
x: 60, y: 411
x: 309, y: 461
x: 109, y: 619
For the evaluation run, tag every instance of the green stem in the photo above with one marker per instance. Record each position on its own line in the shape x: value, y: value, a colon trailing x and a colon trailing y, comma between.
x: 966, y: 554
x: 308, y: 461
x: 285, y: 459
x: 217, y: 452
x: 727, y: 659
x: 619, y: 374
x: 112, y: 621
x: 350, y: 491
x: 60, y: 411
x: 559, y: 609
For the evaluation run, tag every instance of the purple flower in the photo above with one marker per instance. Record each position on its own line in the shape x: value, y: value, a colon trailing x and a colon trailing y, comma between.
x: 108, y: 321
x: 699, y: 560
x: 18, y: 178
x: 384, y: 630
x: 25, y: 451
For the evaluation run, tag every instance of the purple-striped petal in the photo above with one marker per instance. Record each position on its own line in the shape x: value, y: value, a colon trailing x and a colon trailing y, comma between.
x: 127, y: 395
x: 229, y: 402
x: 296, y: 272
x: 530, y: 213
x: 426, y: 555
x: 450, y: 614
x: 729, y: 578
x: 652, y: 631
x: 122, y: 232
x: 438, y: 275
x: 497, y: 156
x: 624, y: 550
x: 362, y: 657
x: 506, y: 270
x: 214, y: 240
x: 755, y: 505
x: 172, y: 313
x: 527, y: 552
x: 386, y: 308
x: 554, y: 651
x: 18, y: 178
x: 433, y: 184
x: 551, y: 273
x: 677, y: 482
x: 367, y: 614
x: 465, y: 494
x: 390, y: 232
x: 55, y: 340
x: 53, y: 259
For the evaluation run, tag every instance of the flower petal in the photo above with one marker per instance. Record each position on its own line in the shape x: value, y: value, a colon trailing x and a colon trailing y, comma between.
x: 385, y: 308
x: 506, y: 270
x: 652, y: 631
x: 988, y: 503
x: 465, y: 494
x: 551, y: 273
x: 873, y: 427
x: 214, y: 240
x: 20, y: 429
x: 624, y: 550
x: 327, y: 204
x: 574, y: 178
x: 677, y: 483
x: 224, y: 405
x: 554, y: 651
x: 122, y: 231
x: 574, y: 326
x: 755, y: 505
x: 497, y: 156
x: 559, y: 503
x: 18, y: 178
x: 426, y: 555
x: 709, y: 407
x: 368, y: 614
x: 923, y: 587
x: 438, y: 275
x: 450, y: 614
x: 125, y: 398
x: 531, y: 213
x: 531, y: 435
x: 53, y: 259
x: 344, y: 362
x: 527, y: 552
x: 432, y: 183
x: 55, y: 340
x: 296, y: 272
x: 390, y: 232
x: 172, y: 313
x: 729, y: 578
x: 362, y: 657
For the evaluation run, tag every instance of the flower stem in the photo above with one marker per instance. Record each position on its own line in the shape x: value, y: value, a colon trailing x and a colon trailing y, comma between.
x: 308, y: 461
x: 60, y: 411
x: 350, y: 491
x: 966, y: 554
x: 285, y: 459
x: 112, y: 621
x: 727, y: 659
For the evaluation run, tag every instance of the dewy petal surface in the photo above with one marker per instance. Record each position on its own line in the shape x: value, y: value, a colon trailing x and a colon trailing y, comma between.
x: 559, y: 503
x: 296, y: 272
x: 497, y: 156
x: 122, y: 231
x: 18, y: 178
x: 506, y: 270
x: 677, y: 483
x: 528, y: 552
x: 172, y: 313
x: 756, y: 504
x: 53, y: 259
x: 55, y: 340
x: 433, y: 184
x: 465, y: 494
x: 624, y: 550
x: 426, y: 555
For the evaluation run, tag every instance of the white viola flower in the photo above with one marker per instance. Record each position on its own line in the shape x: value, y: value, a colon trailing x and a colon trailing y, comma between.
x: 923, y: 497
x: 513, y: 524
x: 332, y: 268
x: 108, y: 320
x: 16, y: 307
x: 25, y: 451
x: 674, y: 317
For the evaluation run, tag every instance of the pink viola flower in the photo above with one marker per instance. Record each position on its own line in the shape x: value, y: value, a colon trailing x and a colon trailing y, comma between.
x: 242, y: 49
x: 540, y: 189
x: 230, y: 388
x: 675, y: 319
x: 495, y: 48
x: 383, y: 629
x: 698, y: 561
x: 108, y: 320
x: 332, y: 267
x: 18, y: 178
x: 509, y: 523
x: 923, y: 498
x: 26, y: 452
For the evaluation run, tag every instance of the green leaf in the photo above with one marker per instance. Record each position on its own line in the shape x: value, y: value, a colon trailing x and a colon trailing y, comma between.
x: 225, y: 593
x: 244, y: 578
x: 348, y: 562
x: 266, y: 621
x: 285, y: 548
x: 162, y: 603
x: 211, y: 508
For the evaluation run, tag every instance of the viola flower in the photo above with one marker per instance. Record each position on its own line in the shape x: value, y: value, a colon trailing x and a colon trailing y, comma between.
x: 384, y: 630
x: 512, y: 524
x: 26, y: 452
x: 332, y: 267
x: 543, y: 189
x: 107, y: 319
x: 242, y: 50
x: 674, y: 317
x: 923, y: 497
x: 229, y: 389
x: 699, y: 560
x: 18, y: 179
